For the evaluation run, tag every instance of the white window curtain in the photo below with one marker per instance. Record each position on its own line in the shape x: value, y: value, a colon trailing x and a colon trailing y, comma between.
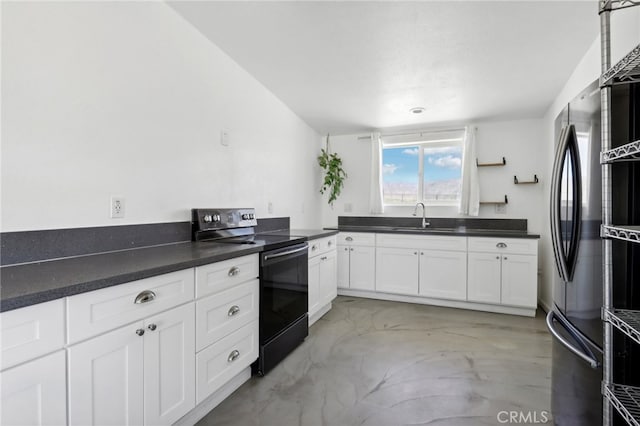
x: 470, y: 190
x: 375, y: 193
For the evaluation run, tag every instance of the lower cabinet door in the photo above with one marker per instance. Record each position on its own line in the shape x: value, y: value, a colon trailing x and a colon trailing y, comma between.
x: 35, y: 393
x: 169, y: 365
x: 443, y: 274
x: 106, y: 378
x: 483, y: 277
x: 397, y: 270
x: 314, y: 284
x: 362, y: 268
x: 328, y: 278
x: 343, y: 267
x: 519, y: 280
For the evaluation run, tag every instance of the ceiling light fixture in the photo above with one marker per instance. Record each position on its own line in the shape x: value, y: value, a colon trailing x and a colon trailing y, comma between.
x: 417, y: 110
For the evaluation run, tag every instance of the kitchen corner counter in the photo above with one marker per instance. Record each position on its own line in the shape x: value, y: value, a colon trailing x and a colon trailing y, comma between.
x: 458, y: 231
x: 37, y: 282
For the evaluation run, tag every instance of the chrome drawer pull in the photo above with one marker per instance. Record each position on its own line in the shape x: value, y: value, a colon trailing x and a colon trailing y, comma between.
x: 501, y: 245
x: 233, y: 355
x: 152, y: 327
x: 233, y: 310
x: 140, y: 332
x: 234, y: 271
x: 329, y: 243
x: 349, y: 239
x: 144, y: 297
x: 314, y: 247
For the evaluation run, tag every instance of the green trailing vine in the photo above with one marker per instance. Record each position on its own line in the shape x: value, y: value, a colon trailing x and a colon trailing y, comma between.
x: 334, y: 175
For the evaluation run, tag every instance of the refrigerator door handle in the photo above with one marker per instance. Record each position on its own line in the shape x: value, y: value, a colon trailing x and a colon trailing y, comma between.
x: 585, y: 354
x: 555, y: 218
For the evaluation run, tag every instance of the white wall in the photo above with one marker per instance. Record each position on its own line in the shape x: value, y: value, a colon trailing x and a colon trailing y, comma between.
x: 519, y: 141
x: 625, y: 35
x: 128, y: 99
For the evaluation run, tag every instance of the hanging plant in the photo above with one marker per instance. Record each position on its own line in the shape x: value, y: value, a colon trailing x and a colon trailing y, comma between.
x: 334, y: 175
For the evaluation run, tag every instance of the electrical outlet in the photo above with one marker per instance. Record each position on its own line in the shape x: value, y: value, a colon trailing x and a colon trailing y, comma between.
x: 270, y: 207
x: 501, y: 208
x: 117, y: 207
x: 348, y: 207
x: 224, y: 137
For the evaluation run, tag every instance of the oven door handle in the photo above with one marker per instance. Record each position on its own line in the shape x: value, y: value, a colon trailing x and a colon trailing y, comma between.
x: 285, y: 253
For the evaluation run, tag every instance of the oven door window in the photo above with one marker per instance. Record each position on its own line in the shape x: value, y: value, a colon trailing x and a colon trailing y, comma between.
x: 283, y: 290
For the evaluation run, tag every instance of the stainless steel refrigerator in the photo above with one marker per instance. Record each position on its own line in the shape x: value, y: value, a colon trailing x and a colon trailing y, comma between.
x: 575, y: 217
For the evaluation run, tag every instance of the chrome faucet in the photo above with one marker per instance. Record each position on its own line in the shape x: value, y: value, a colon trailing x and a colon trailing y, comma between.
x: 424, y: 211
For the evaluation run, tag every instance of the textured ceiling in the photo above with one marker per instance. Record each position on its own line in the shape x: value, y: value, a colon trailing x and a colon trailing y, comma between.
x: 349, y: 67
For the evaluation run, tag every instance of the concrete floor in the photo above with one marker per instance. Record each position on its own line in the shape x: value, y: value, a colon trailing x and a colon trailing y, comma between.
x: 371, y: 362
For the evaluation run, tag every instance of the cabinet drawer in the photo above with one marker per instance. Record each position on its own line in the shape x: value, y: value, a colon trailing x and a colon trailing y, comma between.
x: 427, y: 242
x: 221, y: 361
x: 503, y: 245
x: 98, y: 311
x: 356, y: 238
x: 222, y: 275
x: 220, y: 314
x: 32, y: 331
x: 322, y: 245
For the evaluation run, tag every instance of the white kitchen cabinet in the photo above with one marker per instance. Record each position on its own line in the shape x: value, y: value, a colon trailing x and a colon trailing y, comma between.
x: 484, y: 278
x: 443, y: 274
x: 356, y: 261
x: 397, y: 270
x: 323, y: 285
x: 34, y: 393
x: 106, y: 379
x: 519, y: 283
x: 141, y: 373
x: 30, y: 332
x: 411, y: 265
x: 169, y: 365
x: 504, y: 272
x: 328, y: 278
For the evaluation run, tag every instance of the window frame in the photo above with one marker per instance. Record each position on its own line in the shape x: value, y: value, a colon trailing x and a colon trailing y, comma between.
x: 421, y: 145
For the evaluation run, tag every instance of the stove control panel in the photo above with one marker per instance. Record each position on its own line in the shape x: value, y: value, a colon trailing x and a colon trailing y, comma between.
x: 218, y: 219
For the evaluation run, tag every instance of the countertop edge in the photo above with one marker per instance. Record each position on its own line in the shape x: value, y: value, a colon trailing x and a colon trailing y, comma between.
x: 455, y: 233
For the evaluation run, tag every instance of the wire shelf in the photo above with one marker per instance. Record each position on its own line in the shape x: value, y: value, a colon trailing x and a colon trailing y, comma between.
x: 625, y: 399
x: 628, y: 152
x: 625, y: 233
x: 627, y: 70
x: 625, y: 320
x: 611, y: 5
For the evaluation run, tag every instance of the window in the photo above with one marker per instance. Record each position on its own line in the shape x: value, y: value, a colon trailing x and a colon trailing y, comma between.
x: 428, y: 170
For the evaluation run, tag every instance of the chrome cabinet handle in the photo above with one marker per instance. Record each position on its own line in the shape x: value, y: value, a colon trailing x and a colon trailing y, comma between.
x: 504, y: 258
x: 314, y: 247
x: 351, y: 249
x: 498, y: 257
x: 233, y: 355
x: 152, y: 327
x: 234, y: 271
x: 323, y: 258
x: 501, y: 245
x: 329, y: 243
x: 140, y: 332
x: 346, y: 249
x: 348, y: 239
x: 144, y: 297
x: 233, y: 310
x: 415, y: 252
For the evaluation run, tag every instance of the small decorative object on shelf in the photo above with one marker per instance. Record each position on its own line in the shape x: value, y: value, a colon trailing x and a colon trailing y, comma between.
x: 334, y: 175
x: 506, y: 201
x: 517, y: 182
x: 503, y: 163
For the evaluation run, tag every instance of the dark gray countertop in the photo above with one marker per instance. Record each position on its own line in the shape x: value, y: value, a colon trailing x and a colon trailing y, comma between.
x: 459, y: 231
x: 31, y: 283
